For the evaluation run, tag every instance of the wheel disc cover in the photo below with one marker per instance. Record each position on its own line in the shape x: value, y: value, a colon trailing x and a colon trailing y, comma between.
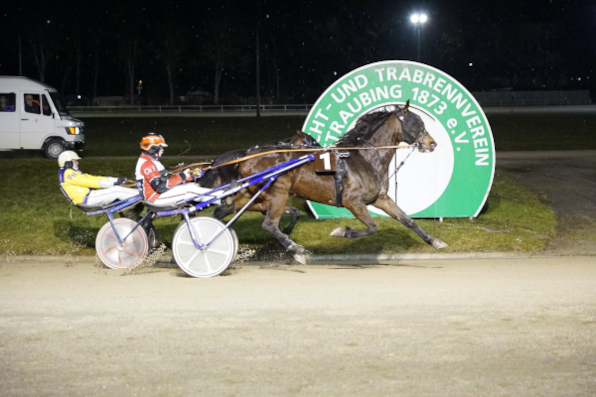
x: 130, y: 253
x: 210, y: 261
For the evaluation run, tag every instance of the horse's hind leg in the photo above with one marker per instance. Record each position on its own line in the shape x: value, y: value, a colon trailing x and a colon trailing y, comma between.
x: 260, y: 207
x: 361, y: 213
x: 223, y: 210
x: 386, y: 204
x: 276, y: 206
x: 295, y: 216
x: 287, y: 210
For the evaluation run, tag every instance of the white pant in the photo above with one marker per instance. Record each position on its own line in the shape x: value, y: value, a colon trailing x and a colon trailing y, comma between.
x: 101, y: 197
x: 182, y: 193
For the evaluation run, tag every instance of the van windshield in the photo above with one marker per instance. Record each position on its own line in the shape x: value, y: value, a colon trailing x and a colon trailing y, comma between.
x: 59, y: 104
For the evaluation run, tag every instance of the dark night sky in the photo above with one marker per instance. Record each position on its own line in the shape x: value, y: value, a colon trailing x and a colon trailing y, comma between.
x: 305, y: 45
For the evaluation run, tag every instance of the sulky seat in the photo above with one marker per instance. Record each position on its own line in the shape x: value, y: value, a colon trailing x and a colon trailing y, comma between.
x: 153, y: 208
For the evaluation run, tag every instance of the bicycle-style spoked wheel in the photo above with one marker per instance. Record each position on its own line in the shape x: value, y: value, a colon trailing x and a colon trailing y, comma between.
x: 130, y: 253
x: 207, y: 262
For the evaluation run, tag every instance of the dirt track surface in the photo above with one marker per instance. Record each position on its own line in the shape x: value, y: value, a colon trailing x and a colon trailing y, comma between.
x: 524, y: 327
x: 566, y: 180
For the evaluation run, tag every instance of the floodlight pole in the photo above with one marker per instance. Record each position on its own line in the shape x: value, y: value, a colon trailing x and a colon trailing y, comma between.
x: 418, y: 19
x: 418, y: 42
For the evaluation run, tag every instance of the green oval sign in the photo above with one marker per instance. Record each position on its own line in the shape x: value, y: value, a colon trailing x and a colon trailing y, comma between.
x: 452, y: 181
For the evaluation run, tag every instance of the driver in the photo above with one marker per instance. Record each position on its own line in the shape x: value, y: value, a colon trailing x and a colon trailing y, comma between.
x: 88, y: 190
x: 156, y: 185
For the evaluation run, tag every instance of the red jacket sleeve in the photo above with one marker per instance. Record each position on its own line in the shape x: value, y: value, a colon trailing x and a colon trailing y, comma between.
x: 153, y: 177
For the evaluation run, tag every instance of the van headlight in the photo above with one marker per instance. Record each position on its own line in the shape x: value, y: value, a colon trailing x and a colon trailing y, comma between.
x: 73, y: 130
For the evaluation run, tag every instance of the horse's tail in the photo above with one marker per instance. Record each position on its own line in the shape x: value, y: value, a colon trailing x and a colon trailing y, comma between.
x: 221, y: 175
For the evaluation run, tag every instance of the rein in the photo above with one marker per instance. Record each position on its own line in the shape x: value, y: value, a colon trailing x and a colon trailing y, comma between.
x: 178, y: 169
x: 417, y: 142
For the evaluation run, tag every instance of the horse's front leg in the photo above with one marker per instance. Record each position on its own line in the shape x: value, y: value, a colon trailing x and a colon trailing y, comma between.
x: 388, y: 205
x: 361, y: 213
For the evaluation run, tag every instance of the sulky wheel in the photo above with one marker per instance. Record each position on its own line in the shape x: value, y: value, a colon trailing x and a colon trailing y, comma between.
x: 152, y: 237
x: 236, y: 243
x: 132, y: 251
x: 213, y: 259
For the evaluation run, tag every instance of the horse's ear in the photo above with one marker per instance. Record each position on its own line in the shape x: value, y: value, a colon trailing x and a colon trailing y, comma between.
x: 300, y: 134
x: 407, y: 106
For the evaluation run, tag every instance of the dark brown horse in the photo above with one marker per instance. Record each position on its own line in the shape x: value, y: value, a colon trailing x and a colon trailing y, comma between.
x: 365, y: 183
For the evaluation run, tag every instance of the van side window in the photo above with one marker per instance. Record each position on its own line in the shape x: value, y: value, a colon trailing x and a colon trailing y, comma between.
x: 7, y: 102
x: 45, y: 106
x: 32, y: 103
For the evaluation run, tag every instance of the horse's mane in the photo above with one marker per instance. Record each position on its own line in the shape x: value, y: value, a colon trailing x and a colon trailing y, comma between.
x: 308, y: 142
x: 365, y: 127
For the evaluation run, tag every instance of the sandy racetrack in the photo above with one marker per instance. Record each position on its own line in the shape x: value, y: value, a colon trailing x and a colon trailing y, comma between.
x: 416, y: 328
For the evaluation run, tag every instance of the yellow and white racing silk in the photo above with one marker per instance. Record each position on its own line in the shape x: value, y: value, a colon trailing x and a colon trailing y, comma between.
x: 76, y: 186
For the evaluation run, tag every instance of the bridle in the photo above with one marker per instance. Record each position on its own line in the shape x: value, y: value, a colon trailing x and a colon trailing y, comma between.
x: 418, y: 140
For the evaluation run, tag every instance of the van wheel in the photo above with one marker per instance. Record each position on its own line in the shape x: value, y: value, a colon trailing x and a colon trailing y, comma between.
x: 53, y: 148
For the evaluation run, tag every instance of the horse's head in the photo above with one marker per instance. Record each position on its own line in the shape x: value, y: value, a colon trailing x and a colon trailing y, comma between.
x: 413, y: 130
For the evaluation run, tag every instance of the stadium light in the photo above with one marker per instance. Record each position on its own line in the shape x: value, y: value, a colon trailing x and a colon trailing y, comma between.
x: 418, y: 19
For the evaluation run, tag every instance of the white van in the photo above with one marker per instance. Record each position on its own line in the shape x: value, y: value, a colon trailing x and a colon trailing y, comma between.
x: 33, y: 116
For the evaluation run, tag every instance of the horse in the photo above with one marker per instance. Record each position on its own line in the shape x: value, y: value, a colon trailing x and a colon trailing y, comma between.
x: 365, y: 182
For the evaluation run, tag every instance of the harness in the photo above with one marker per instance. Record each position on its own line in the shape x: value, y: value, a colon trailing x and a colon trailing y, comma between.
x: 340, y: 168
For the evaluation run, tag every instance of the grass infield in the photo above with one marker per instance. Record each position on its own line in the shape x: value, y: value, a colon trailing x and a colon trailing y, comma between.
x: 36, y: 219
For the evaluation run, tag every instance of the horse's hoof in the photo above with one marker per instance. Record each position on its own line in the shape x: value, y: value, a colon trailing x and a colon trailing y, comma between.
x: 301, y: 258
x: 438, y: 244
x: 339, y: 232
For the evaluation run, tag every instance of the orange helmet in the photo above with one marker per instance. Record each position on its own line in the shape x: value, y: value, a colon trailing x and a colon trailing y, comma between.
x: 152, y: 140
